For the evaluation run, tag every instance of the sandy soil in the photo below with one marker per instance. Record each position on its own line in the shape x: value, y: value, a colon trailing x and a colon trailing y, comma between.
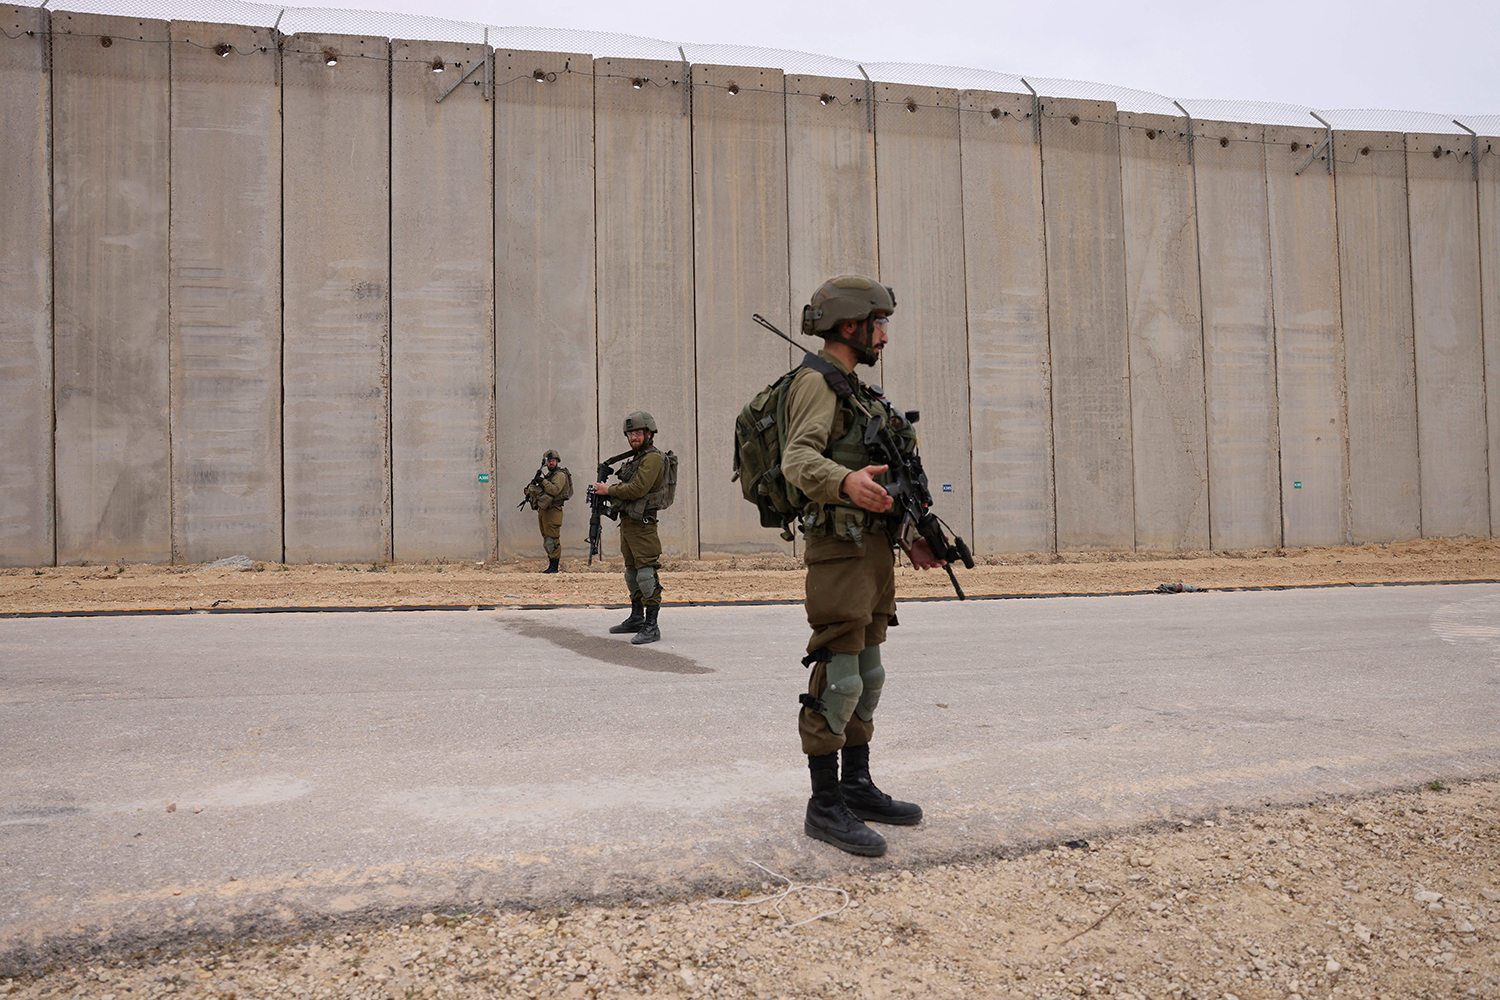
x: 117, y: 586
x: 1393, y: 897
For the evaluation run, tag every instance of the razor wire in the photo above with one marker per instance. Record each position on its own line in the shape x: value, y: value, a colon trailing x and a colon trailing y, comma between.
x: 288, y: 21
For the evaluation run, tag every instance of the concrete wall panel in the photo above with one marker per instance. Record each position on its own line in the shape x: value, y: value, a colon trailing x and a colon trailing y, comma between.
x: 926, y: 364
x: 1453, y: 441
x: 1005, y: 279
x: 442, y: 302
x: 1309, y: 339
x: 830, y: 171
x: 26, y: 526
x: 1086, y: 298
x: 1489, y: 260
x: 1239, y: 348
x: 110, y: 220
x: 546, y: 382
x: 1166, y: 335
x: 740, y: 249
x: 225, y: 293
x: 645, y: 271
x: 337, y: 284
x: 1379, y: 370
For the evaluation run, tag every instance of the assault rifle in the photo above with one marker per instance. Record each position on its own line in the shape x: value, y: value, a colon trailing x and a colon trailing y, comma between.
x: 536, y: 480
x: 908, y: 487
x: 598, y: 505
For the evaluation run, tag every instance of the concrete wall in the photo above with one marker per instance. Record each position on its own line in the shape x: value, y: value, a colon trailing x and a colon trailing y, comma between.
x: 442, y: 302
x: 26, y: 525
x: 302, y: 309
x: 111, y: 137
x: 225, y: 293
x: 1005, y: 283
x: 546, y: 378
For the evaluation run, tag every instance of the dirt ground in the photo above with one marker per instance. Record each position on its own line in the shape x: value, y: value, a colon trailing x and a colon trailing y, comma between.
x: 1395, y: 896
x: 133, y: 586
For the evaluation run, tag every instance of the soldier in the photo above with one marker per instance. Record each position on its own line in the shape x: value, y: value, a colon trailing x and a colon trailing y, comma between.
x: 850, y: 558
x: 548, y: 490
x: 642, y: 491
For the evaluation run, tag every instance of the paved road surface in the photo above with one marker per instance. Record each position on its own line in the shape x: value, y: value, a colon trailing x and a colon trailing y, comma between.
x: 331, y: 765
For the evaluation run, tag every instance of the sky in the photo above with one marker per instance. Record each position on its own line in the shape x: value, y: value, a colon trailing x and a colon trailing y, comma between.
x: 1439, y: 57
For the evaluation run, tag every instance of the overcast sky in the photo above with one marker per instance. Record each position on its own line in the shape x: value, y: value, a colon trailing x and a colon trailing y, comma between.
x: 1437, y: 56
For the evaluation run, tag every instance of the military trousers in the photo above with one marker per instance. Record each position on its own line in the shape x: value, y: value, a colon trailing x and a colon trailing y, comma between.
x: 549, y: 520
x: 640, y: 546
x: 851, y: 601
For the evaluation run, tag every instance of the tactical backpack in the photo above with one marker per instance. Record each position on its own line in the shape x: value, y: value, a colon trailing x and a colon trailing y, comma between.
x: 567, y: 491
x: 759, y: 434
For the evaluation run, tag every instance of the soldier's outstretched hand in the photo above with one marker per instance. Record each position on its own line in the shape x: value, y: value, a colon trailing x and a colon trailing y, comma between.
x: 922, y: 557
x: 860, y: 486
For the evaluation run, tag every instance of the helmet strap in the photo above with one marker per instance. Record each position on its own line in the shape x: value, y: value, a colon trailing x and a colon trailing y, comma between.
x: 862, y: 349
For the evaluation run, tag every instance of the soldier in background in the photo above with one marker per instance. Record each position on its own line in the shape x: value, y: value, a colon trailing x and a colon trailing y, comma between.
x: 642, y: 491
x: 548, y: 490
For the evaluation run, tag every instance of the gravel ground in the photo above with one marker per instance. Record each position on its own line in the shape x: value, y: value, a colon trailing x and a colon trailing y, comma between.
x: 1392, y: 897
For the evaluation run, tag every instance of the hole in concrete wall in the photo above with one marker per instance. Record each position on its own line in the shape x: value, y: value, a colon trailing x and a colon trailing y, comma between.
x: 437, y: 65
x: 1073, y: 119
x: 1437, y: 152
x: 995, y: 112
x: 540, y: 76
x: 223, y: 49
x: 330, y: 58
x: 825, y: 99
x: 1296, y: 146
x: 1151, y: 133
x: 1224, y: 141
x: 733, y: 89
x: 105, y: 41
x: 637, y: 83
x: 1365, y: 151
x: 911, y: 107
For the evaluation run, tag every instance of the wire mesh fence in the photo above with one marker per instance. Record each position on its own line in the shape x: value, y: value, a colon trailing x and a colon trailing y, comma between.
x: 327, y: 20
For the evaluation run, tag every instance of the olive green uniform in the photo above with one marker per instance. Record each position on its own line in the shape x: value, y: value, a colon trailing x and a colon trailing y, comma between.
x: 549, y: 509
x: 641, y: 476
x: 850, y: 558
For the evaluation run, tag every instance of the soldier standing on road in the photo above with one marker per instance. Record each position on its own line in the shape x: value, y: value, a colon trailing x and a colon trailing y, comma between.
x: 548, y: 490
x: 850, y: 558
x: 640, y: 493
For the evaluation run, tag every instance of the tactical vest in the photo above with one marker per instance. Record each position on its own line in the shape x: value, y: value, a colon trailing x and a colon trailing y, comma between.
x: 566, y: 493
x: 644, y: 508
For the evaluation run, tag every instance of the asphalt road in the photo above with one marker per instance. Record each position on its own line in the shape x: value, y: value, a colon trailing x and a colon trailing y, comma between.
x: 164, y: 777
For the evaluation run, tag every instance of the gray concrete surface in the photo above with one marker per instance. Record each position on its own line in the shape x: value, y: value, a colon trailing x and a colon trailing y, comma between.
x: 1005, y: 281
x: 26, y: 526
x: 1239, y: 346
x: 1452, y: 438
x: 1090, y: 338
x: 110, y: 210
x: 1489, y: 263
x: 337, y: 313
x: 740, y: 268
x: 1168, y: 424
x: 225, y: 293
x: 644, y: 266
x: 171, y: 776
x: 1309, y: 338
x: 1379, y: 371
x: 926, y: 366
x: 546, y: 374
x: 442, y: 305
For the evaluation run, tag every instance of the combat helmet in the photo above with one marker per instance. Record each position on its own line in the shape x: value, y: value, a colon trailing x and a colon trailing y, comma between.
x: 640, y: 420
x: 846, y: 297
x: 550, y: 454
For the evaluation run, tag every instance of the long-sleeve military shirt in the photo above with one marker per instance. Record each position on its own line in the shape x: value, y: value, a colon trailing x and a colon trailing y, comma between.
x: 555, y: 482
x: 647, y: 477
x: 812, y: 409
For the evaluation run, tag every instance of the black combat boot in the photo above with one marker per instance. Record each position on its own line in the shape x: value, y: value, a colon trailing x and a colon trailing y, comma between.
x: 635, y: 621
x: 648, y: 631
x: 551, y: 566
x: 865, y: 800
x: 829, y: 819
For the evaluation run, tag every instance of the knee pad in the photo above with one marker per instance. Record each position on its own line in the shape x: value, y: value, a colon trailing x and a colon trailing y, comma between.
x: 646, y: 577
x: 872, y: 678
x: 631, y: 576
x: 842, y: 691
x: 551, y: 546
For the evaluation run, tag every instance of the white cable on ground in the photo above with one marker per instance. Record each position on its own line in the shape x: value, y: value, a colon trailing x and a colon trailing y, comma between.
x: 791, y: 887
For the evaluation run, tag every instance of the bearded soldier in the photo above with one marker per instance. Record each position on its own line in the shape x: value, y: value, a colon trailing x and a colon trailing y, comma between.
x: 548, y: 490
x: 645, y: 487
x: 850, y: 558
